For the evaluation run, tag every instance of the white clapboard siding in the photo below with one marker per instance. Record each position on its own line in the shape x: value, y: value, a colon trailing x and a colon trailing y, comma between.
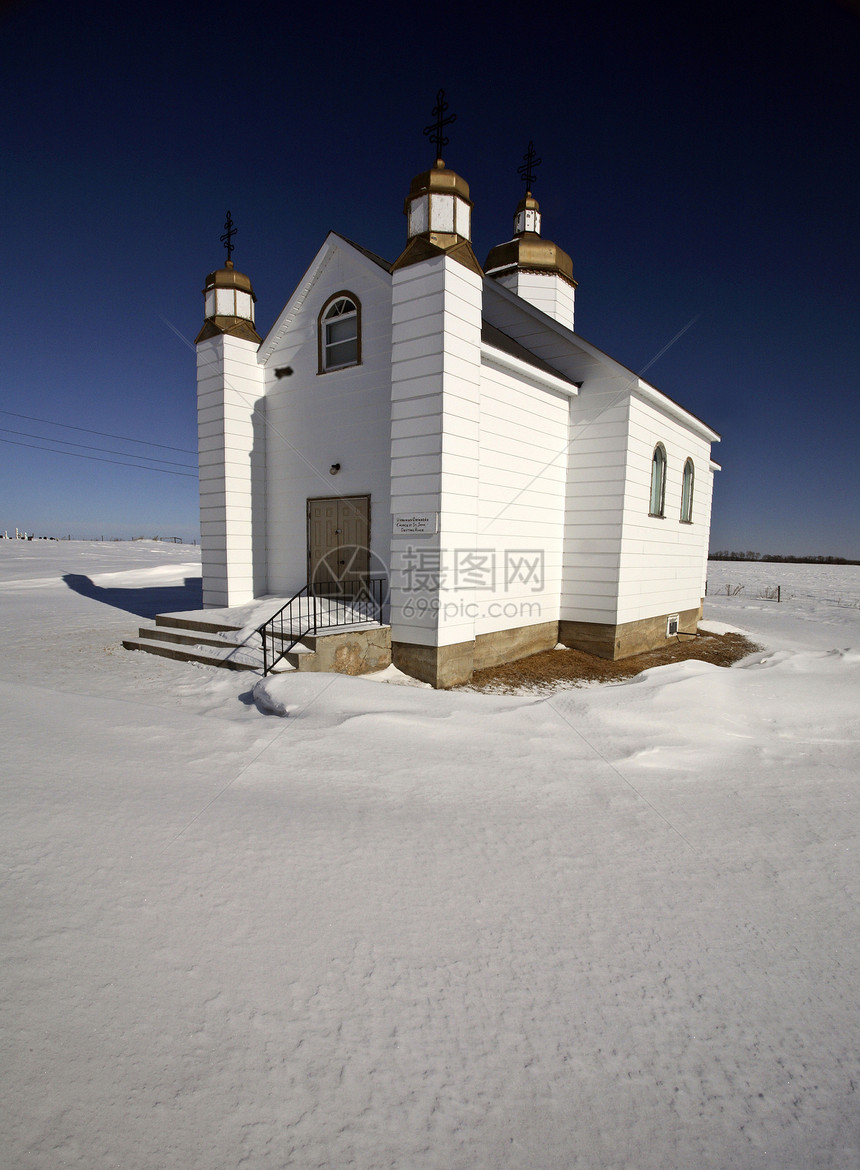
x: 232, y: 469
x: 435, y: 415
x: 315, y: 420
x: 545, y: 291
x: 663, y: 559
x: 521, y: 506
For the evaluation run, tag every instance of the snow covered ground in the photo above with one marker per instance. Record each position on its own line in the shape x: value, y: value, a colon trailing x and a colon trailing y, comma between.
x: 614, y: 927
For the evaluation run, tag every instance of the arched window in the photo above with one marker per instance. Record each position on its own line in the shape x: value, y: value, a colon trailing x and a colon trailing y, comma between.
x: 687, y: 493
x: 340, y: 332
x: 658, y: 481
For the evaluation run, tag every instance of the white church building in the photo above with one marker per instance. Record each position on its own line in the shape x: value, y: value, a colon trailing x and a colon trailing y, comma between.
x: 438, y: 427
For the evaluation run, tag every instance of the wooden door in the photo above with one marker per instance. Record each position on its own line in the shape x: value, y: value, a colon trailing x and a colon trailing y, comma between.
x: 338, y: 540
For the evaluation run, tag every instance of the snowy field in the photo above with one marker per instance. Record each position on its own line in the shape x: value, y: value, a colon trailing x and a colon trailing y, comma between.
x: 393, y: 927
x: 811, y: 585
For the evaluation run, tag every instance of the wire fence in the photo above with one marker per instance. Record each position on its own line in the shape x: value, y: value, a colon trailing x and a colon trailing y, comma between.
x: 98, y: 539
x: 778, y: 593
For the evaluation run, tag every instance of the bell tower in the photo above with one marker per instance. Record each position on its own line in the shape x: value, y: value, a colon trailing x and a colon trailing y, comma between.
x: 438, y: 209
x: 230, y: 418
x: 228, y: 298
x: 437, y: 297
x: 534, y: 268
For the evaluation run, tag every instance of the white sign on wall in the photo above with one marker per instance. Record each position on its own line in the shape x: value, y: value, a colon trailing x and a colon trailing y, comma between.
x: 417, y: 524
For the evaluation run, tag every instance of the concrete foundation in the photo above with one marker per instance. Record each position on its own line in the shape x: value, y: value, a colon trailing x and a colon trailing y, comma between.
x: 441, y: 666
x: 626, y: 639
x: 449, y: 666
x: 509, y: 645
x: 362, y: 651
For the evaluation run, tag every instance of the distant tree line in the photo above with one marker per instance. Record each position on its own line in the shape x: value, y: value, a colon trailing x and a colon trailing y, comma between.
x: 725, y: 555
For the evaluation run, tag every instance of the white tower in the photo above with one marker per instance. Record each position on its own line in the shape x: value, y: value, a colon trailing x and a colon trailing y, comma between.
x: 437, y: 293
x: 230, y: 439
x: 534, y: 268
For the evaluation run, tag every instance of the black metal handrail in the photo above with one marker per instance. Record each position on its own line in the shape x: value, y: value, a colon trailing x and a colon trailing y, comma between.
x: 321, y: 605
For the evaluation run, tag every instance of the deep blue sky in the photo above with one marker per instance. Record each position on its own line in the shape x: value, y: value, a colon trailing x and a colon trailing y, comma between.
x: 698, y: 161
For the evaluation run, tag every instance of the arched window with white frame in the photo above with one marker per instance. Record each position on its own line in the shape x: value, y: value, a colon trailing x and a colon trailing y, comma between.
x: 687, y: 484
x: 339, y: 332
x: 658, y: 481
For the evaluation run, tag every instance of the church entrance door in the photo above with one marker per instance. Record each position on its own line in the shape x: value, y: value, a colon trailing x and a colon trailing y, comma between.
x: 338, y: 541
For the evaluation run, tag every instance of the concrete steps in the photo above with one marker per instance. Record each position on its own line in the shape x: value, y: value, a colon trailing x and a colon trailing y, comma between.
x: 354, y: 650
x: 197, y: 640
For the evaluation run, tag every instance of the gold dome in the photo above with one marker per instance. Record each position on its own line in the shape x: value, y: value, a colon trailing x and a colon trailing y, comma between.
x: 439, y: 215
x: 228, y: 277
x: 531, y: 253
x: 528, y: 250
x: 440, y: 179
x: 228, y: 300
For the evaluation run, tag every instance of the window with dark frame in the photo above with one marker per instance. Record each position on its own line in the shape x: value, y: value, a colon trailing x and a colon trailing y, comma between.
x: 339, y: 333
x: 658, y: 481
x: 687, y: 492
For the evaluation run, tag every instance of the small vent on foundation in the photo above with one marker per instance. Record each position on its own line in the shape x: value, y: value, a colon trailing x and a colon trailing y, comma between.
x: 672, y: 626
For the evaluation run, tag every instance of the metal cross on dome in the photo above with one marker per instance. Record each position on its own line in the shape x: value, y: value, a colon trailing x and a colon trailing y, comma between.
x: 227, y: 238
x: 434, y: 130
x: 527, y: 170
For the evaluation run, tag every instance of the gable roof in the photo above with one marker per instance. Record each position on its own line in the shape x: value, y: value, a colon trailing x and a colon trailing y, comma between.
x: 592, y: 354
x: 305, y: 286
x: 490, y: 335
x: 364, y: 251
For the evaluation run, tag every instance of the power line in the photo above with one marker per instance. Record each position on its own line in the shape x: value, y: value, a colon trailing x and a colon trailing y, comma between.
x: 87, y: 447
x: 104, y: 434
x: 96, y: 459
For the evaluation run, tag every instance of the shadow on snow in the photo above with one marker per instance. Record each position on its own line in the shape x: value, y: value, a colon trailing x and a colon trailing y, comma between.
x: 145, y: 602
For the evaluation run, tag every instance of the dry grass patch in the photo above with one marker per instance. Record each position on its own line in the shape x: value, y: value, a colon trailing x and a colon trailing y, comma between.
x: 552, y: 668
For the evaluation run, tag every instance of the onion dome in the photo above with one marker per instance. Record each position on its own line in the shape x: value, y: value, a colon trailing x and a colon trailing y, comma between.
x: 438, y: 213
x: 228, y: 298
x: 528, y: 251
x: 438, y: 209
